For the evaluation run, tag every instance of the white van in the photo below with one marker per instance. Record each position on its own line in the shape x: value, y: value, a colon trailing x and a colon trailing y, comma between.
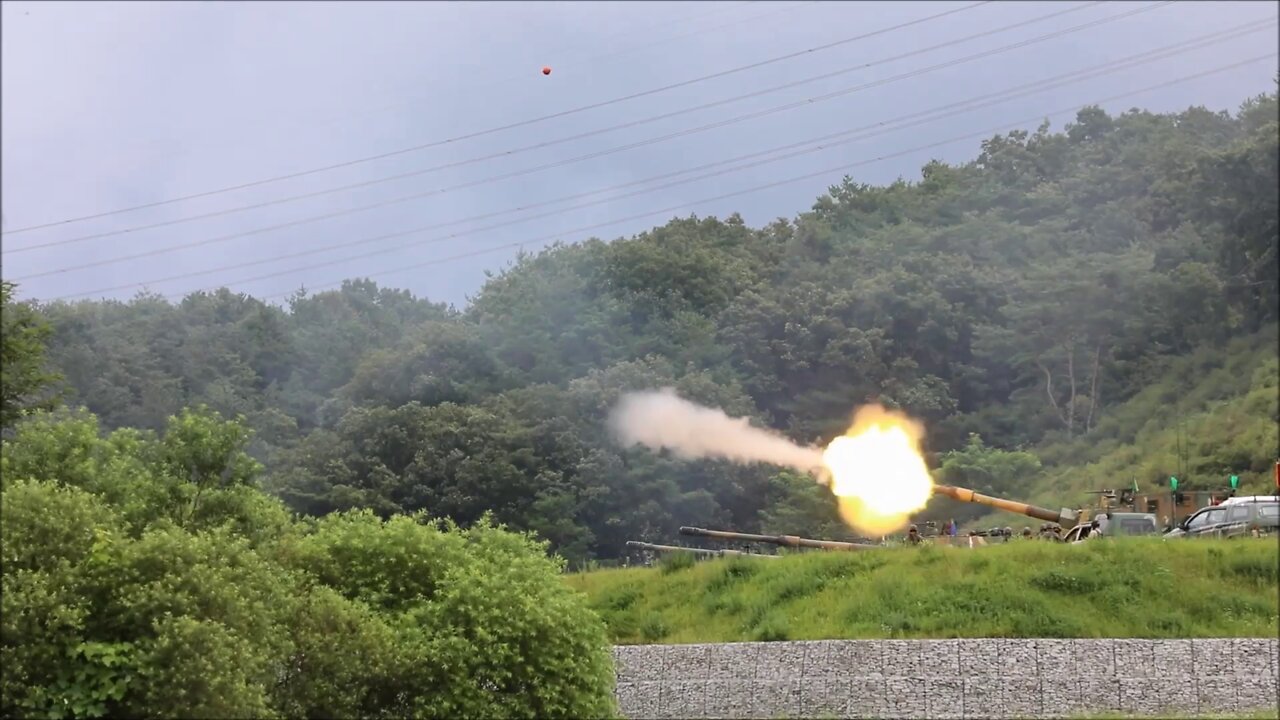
x: 1250, y: 499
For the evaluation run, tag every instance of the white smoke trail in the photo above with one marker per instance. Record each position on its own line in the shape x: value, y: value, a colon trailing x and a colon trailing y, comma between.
x: 662, y: 419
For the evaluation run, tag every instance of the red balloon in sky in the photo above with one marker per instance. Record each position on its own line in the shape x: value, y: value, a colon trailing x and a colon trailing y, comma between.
x: 546, y: 70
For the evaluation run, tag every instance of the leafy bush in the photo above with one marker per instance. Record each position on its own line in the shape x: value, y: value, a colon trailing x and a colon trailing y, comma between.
x: 484, y: 626
x: 146, y: 576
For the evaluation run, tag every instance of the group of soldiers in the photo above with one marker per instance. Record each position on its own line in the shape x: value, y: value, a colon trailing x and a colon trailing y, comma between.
x: 1048, y: 531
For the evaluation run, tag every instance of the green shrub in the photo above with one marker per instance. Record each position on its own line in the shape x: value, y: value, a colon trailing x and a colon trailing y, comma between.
x: 98, y: 623
x: 484, y: 626
x: 147, y: 577
x: 676, y: 561
x: 771, y: 628
x: 653, y: 628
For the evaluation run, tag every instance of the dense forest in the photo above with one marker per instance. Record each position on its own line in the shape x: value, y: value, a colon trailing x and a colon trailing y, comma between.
x: 1051, y: 310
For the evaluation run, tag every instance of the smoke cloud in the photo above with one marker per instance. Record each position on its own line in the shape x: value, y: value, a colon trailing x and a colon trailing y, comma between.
x: 661, y: 419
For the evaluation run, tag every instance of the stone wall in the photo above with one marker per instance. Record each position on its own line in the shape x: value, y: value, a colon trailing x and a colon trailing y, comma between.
x: 947, y: 678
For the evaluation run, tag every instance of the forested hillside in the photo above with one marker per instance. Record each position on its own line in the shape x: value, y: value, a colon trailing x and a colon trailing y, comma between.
x: 1051, y: 310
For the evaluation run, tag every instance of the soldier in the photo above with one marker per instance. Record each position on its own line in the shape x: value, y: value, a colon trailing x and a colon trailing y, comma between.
x: 1026, y: 533
x: 913, y: 535
x: 1095, y: 530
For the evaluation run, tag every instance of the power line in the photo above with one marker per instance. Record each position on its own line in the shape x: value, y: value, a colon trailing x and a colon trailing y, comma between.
x: 824, y: 142
x: 504, y: 176
x: 829, y: 171
x: 522, y: 123
x: 592, y: 61
x: 629, y: 124
x: 600, y: 153
x: 690, y: 131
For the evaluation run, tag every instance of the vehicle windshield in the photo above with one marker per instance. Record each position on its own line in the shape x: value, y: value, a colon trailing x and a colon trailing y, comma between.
x: 1202, y: 519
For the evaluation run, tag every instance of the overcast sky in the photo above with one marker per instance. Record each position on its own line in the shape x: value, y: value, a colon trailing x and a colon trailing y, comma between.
x: 112, y: 105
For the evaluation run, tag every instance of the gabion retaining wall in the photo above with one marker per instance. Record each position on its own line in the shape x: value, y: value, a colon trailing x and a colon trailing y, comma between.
x: 947, y: 678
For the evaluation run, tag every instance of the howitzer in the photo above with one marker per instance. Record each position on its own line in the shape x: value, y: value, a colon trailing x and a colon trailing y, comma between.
x: 1066, y: 517
x: 783, y: 540
x: 696, y: 551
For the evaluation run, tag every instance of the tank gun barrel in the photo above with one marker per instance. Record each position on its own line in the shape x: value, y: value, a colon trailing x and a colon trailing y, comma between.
x: 636, y: 544
x: 1065, y: 517
x: 783, y: 540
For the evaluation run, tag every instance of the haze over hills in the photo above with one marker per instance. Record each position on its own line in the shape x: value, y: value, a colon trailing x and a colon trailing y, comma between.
x: 1044, y: 308
x: 322, y: 370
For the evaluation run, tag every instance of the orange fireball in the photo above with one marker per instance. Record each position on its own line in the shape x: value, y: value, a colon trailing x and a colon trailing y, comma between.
x: 877, y: 471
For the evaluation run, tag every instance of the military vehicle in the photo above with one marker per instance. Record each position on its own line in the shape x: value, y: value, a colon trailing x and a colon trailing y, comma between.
x: 791, y: 541
x: 1065, y: 517
x: 652, y: 547
x: 1078, y: 523
x: 1114, y: 524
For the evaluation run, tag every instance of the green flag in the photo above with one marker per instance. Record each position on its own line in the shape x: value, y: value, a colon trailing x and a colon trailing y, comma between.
x: 1173, y: 483
x: 1135, y: 485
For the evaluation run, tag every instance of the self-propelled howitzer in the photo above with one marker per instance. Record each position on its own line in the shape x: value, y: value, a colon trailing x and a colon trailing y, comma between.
x: 1066, y: 518
x: 637, y: 545
x: 782, y: 540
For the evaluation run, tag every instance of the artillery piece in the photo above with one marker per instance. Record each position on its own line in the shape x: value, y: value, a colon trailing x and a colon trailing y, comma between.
x: 637, y: 545
x: 1074, y: 524
x: 781, y: 540
x: 1066, y: 518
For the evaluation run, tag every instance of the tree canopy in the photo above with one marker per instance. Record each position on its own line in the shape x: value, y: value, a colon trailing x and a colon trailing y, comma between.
x: 1017, y: 303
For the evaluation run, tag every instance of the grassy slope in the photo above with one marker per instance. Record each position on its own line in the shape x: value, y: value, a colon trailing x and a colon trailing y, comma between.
x: 1229, y: 404
x: 1266, y: 714
x: 1135, y: 588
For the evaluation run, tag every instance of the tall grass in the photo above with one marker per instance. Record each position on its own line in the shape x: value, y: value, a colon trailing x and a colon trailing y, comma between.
x: 1264, y: 714
x: 1139, y: 587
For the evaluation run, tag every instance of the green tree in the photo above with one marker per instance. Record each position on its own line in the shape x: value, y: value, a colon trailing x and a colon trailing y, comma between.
x: 99, y: 624
x: 24, y: 378
x: 119, y: 601
x: 798, y: 505
x: 1035, y: 295
x: 484, y: 627
x: 1237, y: 189
x: 987, y: 470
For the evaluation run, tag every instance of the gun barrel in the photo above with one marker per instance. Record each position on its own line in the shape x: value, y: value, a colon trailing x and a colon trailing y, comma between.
x: 783, y: 540
x: 1064, y: 517
x: 696, y: 551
